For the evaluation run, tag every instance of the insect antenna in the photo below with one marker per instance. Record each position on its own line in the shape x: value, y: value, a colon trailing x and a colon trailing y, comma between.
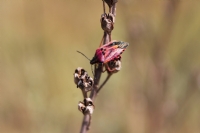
x: 84, y: 55
x: 88, y: 59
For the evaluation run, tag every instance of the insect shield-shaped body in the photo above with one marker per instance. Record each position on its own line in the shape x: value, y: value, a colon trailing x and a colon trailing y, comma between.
x: 109, y: 52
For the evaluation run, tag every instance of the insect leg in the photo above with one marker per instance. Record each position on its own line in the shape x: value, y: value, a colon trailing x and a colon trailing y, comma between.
x: 107, y: 67
x: 102, y: 68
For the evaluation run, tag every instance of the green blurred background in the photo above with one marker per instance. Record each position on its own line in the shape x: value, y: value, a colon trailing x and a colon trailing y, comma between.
x: 156, y: 91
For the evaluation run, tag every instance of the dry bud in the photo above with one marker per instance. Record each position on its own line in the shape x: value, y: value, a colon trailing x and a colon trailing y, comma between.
x: 81, y: 107
x: 107, y: 22
x: 111, y: 2
x: 86, y: 107
x: 114, y: 65
x: 88, y: 102
x: 82, y: 80
x: 89, y: 110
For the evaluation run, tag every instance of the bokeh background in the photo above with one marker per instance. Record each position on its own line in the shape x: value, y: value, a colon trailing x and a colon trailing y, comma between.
x: 156, y: 91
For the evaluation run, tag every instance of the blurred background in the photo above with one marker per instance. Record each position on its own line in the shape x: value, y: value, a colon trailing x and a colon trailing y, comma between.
x: 156, y: 91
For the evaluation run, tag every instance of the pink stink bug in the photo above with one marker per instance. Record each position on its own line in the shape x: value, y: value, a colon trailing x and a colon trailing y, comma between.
x: 109, y: 52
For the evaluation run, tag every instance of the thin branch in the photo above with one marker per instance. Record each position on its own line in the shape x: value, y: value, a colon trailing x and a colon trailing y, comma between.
x: 84, y: 93
x: 93, y: 94
x: 105, y: 81
x: 104, y: 8
x: 98, y: 71
x: 88, y: 127
x: 85, y: 123
x: 113, y: 10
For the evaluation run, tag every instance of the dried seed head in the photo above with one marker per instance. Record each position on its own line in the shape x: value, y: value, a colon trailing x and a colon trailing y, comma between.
x: 88, y: 83
x: 114, y: 65
x: 81, y: 78
x: 88, y: 101
x: 76, y: 79
x: 78, y: 75
x: 83, y: 81
x: 81, y: 107
x: 86, y: 107
x: 80, y: 71
x: 89, y: 110
x: 107, y: 22
x: 111, y: 2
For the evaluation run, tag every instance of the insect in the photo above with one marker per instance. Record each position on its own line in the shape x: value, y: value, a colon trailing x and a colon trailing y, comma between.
x: 109, y: 52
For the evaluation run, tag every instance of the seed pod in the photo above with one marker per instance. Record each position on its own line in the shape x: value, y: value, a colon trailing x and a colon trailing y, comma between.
x: 111, y: 2
x: 114, y: 65
x: 82, y: 80
x: 79, y: 74
x: 86, y: 107
x: 107, y: 22
x: 89, y: 110
x: 88, y: 101
x: 81, y: 107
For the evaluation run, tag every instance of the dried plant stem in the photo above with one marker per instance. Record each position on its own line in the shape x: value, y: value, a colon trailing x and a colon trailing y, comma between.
x: 104, y: 8
x: 106, y: 38
x: 85, y: 123
x: 98, y: 71
x: 87, y: 118
x: 84, y: 94
x: 105, y: 81
x: 113, y: 10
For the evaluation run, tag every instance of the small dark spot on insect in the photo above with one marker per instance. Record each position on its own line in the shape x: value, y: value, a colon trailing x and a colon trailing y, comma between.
x: 103, y: 53
x: 121, y: 53
x: 101, y: 49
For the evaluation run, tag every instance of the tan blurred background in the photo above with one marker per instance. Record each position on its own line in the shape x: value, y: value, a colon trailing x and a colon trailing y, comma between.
x: 156, y: 91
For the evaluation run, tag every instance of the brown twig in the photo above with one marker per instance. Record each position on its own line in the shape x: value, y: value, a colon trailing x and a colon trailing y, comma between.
x: 98, y: 71
x: 104, y: 8
x: 105, y: 81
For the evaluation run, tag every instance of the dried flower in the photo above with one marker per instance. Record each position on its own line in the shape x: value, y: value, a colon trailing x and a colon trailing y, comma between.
x: 114, y: 65
x: 87, y: 106
x: 107, y: 22
x: 82, y: 80
x: 111, y: 2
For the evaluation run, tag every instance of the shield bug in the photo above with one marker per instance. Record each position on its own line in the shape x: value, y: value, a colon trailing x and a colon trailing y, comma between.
x: 109, y: 52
